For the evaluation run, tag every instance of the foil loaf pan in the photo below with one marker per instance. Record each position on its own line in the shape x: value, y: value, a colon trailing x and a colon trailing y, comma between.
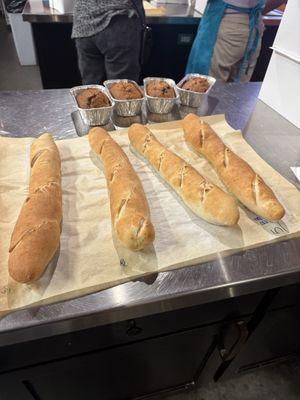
x: 126, y: 108
x: 159, y: 105
x: 190, y: 98
x: 94, y: 116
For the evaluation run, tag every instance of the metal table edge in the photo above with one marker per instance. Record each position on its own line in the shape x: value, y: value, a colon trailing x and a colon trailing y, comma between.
x: 156, y: 306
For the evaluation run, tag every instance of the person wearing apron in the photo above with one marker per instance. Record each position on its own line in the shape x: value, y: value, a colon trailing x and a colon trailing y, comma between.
x: 228, y: 40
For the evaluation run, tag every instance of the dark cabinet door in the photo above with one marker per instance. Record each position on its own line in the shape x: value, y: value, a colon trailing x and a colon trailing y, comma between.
x: 99, y: 338
x: 56, y: 53
x: 277, y: 336
x: 265, y: 53
x: 171, y: 45
x: 119, y: 373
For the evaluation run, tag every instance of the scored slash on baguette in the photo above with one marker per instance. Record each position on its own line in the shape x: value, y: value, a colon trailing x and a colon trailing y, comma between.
x: 128, y: 204
x: 203, y: 198
x: 237, y: 175
x: 36, y: 234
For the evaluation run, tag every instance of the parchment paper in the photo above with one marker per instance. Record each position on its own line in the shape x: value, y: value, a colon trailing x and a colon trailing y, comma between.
x: 89, y: 258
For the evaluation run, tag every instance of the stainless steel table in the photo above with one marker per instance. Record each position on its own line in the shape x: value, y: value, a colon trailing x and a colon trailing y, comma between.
x: 276, y: 140
x: 37, y: 11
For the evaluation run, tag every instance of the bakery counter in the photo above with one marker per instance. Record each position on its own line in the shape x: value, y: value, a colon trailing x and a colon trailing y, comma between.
x: 173, y: 33
x: 169, y: 331
x: 29, y: 113
x: 37, y: 11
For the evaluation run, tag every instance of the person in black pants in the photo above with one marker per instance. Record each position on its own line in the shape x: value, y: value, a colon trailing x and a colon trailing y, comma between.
x: 108, y: 35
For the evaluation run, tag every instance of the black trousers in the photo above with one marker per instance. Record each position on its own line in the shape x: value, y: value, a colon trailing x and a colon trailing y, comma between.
x: 113, y: 53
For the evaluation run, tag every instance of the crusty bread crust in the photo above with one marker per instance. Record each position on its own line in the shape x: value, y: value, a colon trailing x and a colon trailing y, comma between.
x: 204, y: 199
x: 237, y: 175
x: 128, y: 204
x: 36, y: 235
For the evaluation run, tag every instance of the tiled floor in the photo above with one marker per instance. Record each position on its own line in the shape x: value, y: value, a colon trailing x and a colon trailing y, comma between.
x: 280, y: 382
x: 12, y: 75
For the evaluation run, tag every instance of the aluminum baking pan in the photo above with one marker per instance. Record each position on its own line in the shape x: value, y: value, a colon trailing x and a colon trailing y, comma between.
x: 126, y: 108
x: 94, y: 116
x: 190, y: 98
x: 159, y: 105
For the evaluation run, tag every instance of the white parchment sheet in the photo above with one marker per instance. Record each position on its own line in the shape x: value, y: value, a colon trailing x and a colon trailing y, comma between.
x: 89, y: 258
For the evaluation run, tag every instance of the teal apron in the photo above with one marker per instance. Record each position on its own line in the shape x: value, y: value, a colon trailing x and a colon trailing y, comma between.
x: 202, y: 50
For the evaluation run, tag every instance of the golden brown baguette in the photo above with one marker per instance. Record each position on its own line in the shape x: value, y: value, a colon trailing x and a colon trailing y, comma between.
x: 203, y: 198
x: 128, y: 204
x: 36, y: 235
x: 237, y: 175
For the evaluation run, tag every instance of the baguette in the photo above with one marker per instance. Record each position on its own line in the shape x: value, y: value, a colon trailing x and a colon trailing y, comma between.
x: 36, y: 235
x: 128, y: 204
x: 203, y: 198
x: 240, y: 179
